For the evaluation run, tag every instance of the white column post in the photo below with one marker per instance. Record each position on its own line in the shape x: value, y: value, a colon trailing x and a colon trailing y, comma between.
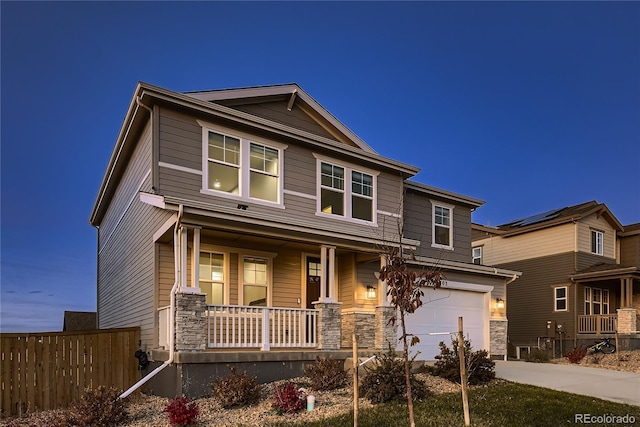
x: 332, y: 273
x: 183, y: 259
x: 195, y: 261
x: 323, y: 273
x: 382, y: 284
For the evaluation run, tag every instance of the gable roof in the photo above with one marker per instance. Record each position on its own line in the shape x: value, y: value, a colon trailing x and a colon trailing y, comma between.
x: 552, y: 218
x: 343, y: 141
x: 295, y: 96
x: 443, y: 194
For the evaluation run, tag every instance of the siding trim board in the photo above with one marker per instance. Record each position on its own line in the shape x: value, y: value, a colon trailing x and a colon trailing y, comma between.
x: 180, y: 168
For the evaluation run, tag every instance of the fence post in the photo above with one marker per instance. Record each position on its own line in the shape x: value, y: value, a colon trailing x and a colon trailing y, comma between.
x: 266, y: 346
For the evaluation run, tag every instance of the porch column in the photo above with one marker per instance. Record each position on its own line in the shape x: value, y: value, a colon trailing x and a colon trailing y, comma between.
x: 323, y: 274
x: 183, y: 237
x: 383, y: 299
x: 195, y: 261
x: 629, y: 292
x: 327, y: 265
x: 329, y: 325
x: 625, y: 293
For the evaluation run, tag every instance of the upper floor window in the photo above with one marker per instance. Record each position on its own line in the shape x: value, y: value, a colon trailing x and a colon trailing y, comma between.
x: 560, y: 298
x: 477, y: 255
x: 597, y: 242
x: 442, y: 225
x: 346, y: 192
x: 242, y: 168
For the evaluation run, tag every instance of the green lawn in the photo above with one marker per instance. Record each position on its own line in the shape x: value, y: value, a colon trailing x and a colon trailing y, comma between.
x: 499, y: 405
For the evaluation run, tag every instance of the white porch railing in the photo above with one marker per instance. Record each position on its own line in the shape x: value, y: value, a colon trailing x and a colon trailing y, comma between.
x: 597, y: 324
x: 232, y: 326
x: 163, y: 327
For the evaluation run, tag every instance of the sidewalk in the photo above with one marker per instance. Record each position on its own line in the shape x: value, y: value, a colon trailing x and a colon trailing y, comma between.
x: 607, y: 384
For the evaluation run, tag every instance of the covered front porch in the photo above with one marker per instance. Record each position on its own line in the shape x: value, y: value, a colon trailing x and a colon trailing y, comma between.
x: 610, y: 300
x: 249, y: 293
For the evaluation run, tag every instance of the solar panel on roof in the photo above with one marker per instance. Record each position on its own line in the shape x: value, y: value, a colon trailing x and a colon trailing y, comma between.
x: 534, y: 219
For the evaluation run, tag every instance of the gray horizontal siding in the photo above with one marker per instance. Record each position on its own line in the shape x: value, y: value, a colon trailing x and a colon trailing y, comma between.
x: 418, y: 221
x: 181, y: 145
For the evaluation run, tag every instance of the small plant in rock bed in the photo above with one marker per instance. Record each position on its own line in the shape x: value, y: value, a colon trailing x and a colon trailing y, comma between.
x: 538, y: 356
x: 480, y: 368
x: 385, y: 380
x: 326, y: 374
x: 288, y: 399
x: 236, y: 389
x: 182, y: 411
x: 576, y: 355
x: 99, y: 407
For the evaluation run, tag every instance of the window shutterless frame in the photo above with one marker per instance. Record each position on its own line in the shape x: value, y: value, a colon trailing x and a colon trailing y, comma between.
x: 441, y: 225
x: 560, y: 298
x: 241, y: 167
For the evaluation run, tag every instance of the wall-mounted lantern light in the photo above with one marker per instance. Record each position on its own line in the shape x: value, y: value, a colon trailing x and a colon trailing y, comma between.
x: 371, y: 292
x: 499, y: 303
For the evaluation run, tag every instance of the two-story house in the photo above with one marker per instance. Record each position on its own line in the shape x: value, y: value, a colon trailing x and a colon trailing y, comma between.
x: 580, y: 281
x: 245, y: 227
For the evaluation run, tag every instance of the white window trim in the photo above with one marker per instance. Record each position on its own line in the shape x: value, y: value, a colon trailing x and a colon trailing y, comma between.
x: 473, y: 257
x: 556, y: 299
x: 264, y: 255
x: 346, y: 194
x: 245, y: 170
x: 600, y: 249
x: 226, y: 261
x: 435, y: 203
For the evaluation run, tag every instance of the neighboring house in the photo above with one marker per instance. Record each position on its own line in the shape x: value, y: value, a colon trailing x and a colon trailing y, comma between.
x: 581, y: 275
x: 244, y: 227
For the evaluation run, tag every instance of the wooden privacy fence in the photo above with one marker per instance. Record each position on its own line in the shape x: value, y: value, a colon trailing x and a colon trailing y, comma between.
x: 43, y: 371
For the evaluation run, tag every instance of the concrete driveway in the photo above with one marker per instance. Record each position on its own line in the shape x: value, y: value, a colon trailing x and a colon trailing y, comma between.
x: 616, y: 386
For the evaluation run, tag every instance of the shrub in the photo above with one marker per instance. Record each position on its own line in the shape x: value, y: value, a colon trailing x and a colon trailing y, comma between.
x: 480, y: 368
x: 576, y: 355
x: 538, y: 356
x: 326, y: 374
x: 288, y: 399
x: 97, y: 408
x: 236, y: 389
x: 182, y: 411
x: 385, y: 380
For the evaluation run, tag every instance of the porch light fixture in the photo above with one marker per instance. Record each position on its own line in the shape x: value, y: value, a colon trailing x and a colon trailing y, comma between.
x: 499, y: 303
x: 371, y: 292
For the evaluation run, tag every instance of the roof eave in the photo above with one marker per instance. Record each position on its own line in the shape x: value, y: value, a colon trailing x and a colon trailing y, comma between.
x: 438, y: 192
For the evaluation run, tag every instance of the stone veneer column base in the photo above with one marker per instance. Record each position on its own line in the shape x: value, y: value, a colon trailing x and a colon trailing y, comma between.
x: 191, y: 327
x: 386, y: 333
x: 627, y: 320
x: 364, y: 326
x: 498, y: 339
x: 329, y: 325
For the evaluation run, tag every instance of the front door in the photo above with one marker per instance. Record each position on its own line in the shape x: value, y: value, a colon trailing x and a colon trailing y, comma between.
x: 313, y: 281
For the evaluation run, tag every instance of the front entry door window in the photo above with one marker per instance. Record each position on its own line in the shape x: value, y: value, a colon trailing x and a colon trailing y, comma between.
x: 313, y: 280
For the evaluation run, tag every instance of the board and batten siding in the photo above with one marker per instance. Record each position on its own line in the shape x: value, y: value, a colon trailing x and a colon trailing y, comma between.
x: 126, y: 269
x: 418, y: 223
x: 549, y: 241
x: 180, y: 175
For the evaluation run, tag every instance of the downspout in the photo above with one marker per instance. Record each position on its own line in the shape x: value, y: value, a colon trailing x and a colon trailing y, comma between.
x: 172, y: 305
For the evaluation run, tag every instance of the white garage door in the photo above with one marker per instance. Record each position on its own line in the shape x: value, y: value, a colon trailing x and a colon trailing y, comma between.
x: 440, y: 313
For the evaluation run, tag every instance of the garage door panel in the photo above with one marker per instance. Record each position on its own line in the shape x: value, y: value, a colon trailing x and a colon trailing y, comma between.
x: 440, y: 314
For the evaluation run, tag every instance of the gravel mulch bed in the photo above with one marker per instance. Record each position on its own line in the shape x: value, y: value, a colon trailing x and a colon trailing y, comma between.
x: 147, y: 411
x: 628, y: 361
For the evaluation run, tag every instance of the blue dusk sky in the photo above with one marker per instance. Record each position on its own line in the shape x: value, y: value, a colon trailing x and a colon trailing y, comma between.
x: 529, y: 106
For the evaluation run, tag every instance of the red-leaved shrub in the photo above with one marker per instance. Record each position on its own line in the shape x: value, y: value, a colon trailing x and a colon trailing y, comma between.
x: 182, y: 411
x: 576, y: 355
x: 288, y: 399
